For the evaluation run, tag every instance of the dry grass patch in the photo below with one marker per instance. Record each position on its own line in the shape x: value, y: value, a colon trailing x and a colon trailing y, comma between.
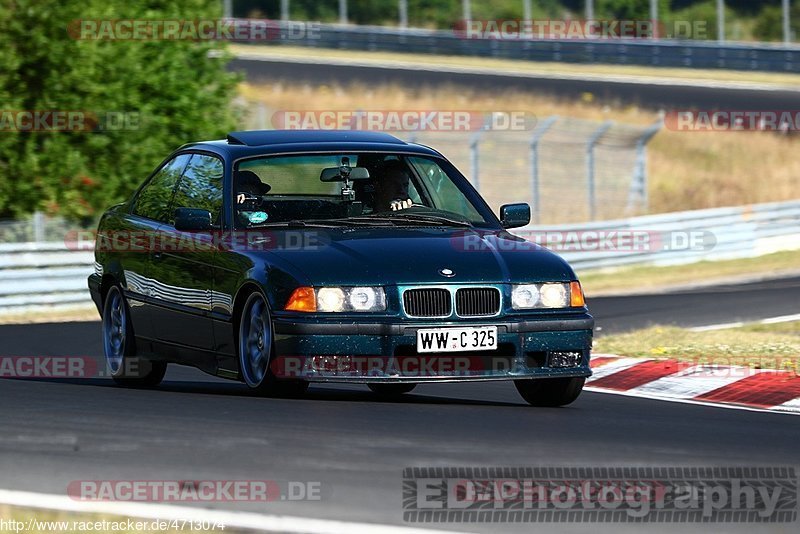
x: 756, y: 346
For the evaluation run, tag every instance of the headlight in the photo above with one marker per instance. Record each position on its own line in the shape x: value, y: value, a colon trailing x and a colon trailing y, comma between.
x: 549, y: 295
x: 366, y: 299
x: 337, y: 299
x: 330, y: 299
x: 555, y: 296
x: 524, y: 297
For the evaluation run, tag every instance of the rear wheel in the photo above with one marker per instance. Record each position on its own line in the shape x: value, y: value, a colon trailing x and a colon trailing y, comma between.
x: 255, y: 351
x: 391, y: 390
x: 550, y: 391
x: 119, y: 349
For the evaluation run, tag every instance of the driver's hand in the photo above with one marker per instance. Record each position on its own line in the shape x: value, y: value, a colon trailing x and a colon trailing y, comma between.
x: 397, y: 205
x: 240, y: 198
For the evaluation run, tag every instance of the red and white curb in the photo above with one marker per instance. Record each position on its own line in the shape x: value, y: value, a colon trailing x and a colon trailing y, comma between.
x: 717, y: 385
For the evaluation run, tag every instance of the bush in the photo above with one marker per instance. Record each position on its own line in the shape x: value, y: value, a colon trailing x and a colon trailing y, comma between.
x: 178, y: 93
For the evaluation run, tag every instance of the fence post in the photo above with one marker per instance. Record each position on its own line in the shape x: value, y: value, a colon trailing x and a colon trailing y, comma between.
x: 638, y: 188
x: 590, y: 181
x: 284, y: 9
x: 787, y: 22
x: 261, y: 116
x: 402, y: 9
x: 474, y: 167
x: 538, y: 133
x: 38, y: 226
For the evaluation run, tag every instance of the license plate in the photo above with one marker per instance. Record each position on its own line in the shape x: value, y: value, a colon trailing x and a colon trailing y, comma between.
x: 457, y: 339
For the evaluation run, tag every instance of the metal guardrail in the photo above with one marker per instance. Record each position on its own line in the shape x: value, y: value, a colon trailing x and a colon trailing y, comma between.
x: 51, y: 275
x: 657, y: 53
x: 722, y: 233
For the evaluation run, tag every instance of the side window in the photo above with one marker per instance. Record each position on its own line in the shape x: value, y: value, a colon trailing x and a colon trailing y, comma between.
x: 201, y: 186
x: 444, y: 193
x: 153, y: 200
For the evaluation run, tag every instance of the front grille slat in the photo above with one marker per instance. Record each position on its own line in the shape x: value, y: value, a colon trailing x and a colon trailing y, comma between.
x: 477, y: 302
x: 436, y: 302
x: 427, y: 302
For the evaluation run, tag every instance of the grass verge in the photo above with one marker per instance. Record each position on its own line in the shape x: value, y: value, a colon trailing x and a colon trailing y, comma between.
x: 45, y: 315
x: 757, y: 346
x: 650, y: 278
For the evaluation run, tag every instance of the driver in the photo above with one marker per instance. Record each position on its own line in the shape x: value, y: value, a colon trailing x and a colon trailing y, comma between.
x: 247, y: 185
x: 391, y: 189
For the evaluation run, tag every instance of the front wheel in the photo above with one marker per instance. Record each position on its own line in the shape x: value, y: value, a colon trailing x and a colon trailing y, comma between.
x: 255, y: 351
x: 550, y: 391
x: 119, y: 349
x: 391, y: 390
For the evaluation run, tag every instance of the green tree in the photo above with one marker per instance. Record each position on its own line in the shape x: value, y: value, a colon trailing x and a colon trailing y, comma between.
x: 172, y: 89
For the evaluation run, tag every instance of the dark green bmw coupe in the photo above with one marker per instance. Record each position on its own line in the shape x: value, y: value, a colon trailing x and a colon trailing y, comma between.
x: 281, y: 258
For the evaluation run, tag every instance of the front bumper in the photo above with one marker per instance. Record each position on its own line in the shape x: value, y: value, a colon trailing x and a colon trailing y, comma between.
x: 385, y: 352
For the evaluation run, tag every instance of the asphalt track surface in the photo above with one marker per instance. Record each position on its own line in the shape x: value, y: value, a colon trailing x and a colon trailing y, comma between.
x: 611, y: 92
x: 199, y: 427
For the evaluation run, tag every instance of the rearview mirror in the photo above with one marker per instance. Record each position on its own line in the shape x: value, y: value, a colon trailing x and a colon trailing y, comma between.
x: 192, y: 220
x: 515, y: 215
x: 334, y: 174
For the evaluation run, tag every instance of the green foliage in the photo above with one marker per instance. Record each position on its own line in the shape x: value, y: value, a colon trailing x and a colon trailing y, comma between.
x: 623, y: 9
x: 768, y: 24
x: 178, y: 92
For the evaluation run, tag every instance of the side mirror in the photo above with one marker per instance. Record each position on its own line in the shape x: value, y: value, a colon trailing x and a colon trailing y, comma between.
x: 192, y: 220
x: 515, y: 215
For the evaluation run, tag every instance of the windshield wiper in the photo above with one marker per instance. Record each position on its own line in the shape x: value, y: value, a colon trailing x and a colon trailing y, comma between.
x: 433, y: 219
x: 293, y: 224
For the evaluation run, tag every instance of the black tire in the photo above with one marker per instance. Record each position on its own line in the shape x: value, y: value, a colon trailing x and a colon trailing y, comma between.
x: 119, y: 347
x: 255, y: 349
x: 550, y: 391
x: 391, y: 390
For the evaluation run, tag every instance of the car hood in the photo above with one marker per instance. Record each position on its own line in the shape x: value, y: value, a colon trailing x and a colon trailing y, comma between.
x: 384, y: 256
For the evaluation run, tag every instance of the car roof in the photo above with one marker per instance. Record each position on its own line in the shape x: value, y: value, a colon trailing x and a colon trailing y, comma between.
x: 265, y: 142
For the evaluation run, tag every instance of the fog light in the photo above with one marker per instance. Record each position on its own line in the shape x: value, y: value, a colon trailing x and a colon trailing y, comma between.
x: 564, y: 359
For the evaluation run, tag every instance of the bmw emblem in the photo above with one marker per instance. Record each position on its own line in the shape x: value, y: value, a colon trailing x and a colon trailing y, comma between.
x: 447, y: 272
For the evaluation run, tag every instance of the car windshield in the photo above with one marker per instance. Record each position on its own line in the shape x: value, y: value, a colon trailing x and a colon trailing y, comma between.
x: 351, y: 189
